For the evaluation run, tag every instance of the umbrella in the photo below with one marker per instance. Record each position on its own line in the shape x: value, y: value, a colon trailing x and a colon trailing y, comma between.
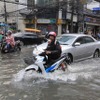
x: 3, y: 24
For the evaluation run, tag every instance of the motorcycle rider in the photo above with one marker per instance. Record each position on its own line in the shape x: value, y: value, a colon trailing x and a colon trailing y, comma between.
x: 10, y: 40
x: 53, y: 50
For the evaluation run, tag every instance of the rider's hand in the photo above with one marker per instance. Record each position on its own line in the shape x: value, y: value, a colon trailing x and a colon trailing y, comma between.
x: 48, y: 52
x: 49, y: 41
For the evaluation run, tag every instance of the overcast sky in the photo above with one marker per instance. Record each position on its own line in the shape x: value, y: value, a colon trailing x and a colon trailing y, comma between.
x: 93, y: 4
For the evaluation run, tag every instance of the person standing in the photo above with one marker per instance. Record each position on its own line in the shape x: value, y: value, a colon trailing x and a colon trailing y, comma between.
x: 67, y: 31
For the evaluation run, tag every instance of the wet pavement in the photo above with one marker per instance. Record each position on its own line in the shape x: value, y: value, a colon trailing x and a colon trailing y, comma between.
x: 80, y: 82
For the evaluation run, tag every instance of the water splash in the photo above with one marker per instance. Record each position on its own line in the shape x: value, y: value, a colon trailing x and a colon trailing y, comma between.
x: 74, y: 73
x: 19, y: 76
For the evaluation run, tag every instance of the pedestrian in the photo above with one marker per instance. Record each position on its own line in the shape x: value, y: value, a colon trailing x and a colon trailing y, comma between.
x: 98, y: 35
x: 67, y: 31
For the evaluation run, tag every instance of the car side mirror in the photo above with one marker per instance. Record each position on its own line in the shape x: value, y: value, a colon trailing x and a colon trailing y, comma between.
x: 77, y: 44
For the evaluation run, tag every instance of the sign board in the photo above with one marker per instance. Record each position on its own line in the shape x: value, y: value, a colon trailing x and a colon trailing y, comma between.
x: 46, y: 21
x: 43, y: 21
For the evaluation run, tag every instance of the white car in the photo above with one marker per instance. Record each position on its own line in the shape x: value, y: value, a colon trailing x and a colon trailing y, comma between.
x: 77, y: 46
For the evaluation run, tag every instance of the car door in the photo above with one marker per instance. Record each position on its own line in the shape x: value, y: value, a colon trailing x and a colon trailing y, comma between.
x: 79, y: 51
x: 90, y: 46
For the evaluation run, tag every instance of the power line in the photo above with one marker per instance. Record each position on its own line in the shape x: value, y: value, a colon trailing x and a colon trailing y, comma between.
x: 18, y: 3
x: 31, y: 6
x: 41, y: 9
x: 13, y: 11
x: 24, y: 4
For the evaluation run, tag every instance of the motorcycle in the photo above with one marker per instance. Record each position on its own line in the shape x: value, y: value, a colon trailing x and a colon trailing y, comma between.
x: 38, y: 64
x: 4, y: 49
x: 40, y: 67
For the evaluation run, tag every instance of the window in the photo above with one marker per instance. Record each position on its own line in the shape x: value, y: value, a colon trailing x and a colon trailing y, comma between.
x: 30, y: 36
x: 80, y: 40
x: 84, y: 40
x: 88, y: 40
x: 66, y: 39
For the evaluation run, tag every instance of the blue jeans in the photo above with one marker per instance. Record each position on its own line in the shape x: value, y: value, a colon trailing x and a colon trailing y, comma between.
x: 8, y: 46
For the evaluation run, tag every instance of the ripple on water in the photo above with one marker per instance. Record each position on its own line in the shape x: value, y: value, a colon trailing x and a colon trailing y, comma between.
x: 6, y: 83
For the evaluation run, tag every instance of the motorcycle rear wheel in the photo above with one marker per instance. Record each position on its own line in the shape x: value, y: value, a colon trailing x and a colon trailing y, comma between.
x: 63, y: 66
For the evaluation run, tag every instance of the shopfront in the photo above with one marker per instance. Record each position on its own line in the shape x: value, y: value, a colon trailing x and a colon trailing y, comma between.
x: 46, y: 25
x: 92, y: 24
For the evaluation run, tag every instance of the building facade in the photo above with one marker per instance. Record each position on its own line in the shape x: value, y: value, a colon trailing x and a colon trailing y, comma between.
x: 13, y: 19
x: 47, y: 15
x: 51, y: 14
x: 92, y: 20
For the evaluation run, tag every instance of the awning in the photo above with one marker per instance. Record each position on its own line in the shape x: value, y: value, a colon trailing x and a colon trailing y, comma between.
x: 93, y: 24
x: 32, y: 30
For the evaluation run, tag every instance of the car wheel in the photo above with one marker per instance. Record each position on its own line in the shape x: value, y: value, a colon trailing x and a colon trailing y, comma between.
x: 96, y: 54
x: 21, y: 43
x: 69, y: 59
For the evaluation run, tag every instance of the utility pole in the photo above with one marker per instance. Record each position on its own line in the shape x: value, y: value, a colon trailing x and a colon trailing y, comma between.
x: 72, y: 14
x: 17, y: 14
x: 35, y: 10
x: 59, y: 22
x: 78, y: 8
x: 5, y: 12
x: 60, y: 19
x: 84, y: 4
x: 5, y: 16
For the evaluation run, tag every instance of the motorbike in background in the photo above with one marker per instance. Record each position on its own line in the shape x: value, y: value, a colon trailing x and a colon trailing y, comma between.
x: 4, y: 49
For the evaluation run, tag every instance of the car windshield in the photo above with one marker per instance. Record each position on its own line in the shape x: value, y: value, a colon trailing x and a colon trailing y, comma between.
x: 66, y: 40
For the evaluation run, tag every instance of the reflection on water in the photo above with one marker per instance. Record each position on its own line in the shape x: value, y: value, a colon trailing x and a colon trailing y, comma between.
x: 80, y: 82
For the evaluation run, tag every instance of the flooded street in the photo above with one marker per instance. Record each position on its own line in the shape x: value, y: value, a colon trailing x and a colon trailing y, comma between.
x: 80, y: 82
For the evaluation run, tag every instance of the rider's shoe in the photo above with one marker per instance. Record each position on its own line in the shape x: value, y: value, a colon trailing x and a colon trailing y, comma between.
x: 63, y: 67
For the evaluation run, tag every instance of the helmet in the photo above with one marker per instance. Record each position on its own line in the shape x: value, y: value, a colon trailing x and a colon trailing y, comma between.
x: 9, y: 32
x: 52, y: 34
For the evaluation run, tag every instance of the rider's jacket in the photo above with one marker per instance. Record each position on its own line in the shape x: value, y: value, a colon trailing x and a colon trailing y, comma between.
x: 55, y: 49
x: 10, y: 40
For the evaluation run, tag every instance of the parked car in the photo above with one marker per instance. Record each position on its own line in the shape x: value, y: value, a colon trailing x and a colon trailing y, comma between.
x: 28, y: 38
x: 77, y: 46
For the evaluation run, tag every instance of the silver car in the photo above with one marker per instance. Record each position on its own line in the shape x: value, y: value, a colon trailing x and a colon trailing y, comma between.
x: 77, y: 46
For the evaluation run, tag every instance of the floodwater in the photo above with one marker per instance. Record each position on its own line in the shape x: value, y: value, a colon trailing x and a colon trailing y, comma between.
x: 80, y: 82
